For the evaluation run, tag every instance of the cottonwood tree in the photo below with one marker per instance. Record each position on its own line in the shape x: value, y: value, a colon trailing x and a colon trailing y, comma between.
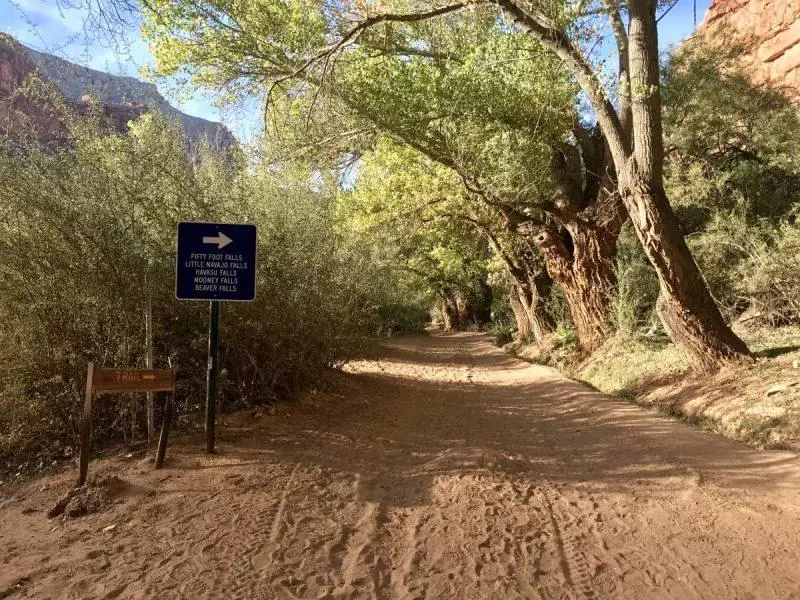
x: 633, y: 130
x: 298, y: 44
x: 400, y: 190
x: 489, y: 137
x: 417, y: 210
x: 472, y: 96
x: 508, y: 144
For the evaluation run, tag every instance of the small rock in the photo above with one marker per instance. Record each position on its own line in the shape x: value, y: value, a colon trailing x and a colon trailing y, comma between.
x: 109, y: 528
x: 8, y: 501
x: 770, y: 412
x: 76, y: 510
x: 775, y: 389
x: 100, y: 565
x: 61, y: 505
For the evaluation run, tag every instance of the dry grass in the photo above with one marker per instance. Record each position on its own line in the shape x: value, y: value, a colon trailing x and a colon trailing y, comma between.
x: 758, y: 404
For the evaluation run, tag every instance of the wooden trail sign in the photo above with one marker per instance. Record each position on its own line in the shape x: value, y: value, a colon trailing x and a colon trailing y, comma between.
x: 119, y: 381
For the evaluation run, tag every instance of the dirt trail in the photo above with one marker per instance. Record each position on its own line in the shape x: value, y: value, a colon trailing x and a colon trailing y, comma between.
x: 446, y: 469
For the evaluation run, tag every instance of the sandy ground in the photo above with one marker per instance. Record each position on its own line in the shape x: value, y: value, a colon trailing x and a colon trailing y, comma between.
x: 443, y: 468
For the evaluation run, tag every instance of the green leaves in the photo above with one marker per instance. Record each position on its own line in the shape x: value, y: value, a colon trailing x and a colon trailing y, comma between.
x: 467, y: 89
x: 236, y: 45
x: 88, y: 228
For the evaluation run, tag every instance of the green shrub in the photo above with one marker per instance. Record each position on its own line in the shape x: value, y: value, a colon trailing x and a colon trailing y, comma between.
x: 633, y: 302
x: 87, y: 232
x: 770, y: 276
x: 500, y: 333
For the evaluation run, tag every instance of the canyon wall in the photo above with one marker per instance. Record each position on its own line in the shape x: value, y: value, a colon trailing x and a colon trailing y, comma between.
x: 769, y: 30
x: 122, y: 98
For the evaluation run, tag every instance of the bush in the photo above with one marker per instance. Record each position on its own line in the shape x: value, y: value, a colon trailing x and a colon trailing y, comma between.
x: 770, y: 276
x: 400, y: 317
x: 501, y: 334
x: 87, y: 233
x: 633, y: 302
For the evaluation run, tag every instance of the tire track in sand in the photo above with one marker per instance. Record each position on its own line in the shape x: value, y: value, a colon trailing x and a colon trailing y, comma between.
x: 571, y: 560
x: 360, y: 539
x: 251, y: 565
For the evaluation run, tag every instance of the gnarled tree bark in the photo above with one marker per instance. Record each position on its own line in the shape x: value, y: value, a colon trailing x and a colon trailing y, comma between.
x: 634, y: 135
x: 579, y: 246
x: 685, y: 305
x: 585, y: 273
x: 451, y: 320
x: 533, y: 291
x: 686, y: 308
x: 459, y: 311
x: 532, y: 288
x: 524, y: 327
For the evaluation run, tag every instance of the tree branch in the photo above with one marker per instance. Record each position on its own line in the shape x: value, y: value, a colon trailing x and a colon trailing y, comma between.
x: 353, y: 34
x: 621, y: 38
x: 550, y: 35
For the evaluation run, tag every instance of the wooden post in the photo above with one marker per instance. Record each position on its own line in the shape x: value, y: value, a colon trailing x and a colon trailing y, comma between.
x: 148, y: 362
x: 133, y: 421
x: 86, y: 427
x: 162, y: 440
x: 211, y: 375
x: 120, y: 381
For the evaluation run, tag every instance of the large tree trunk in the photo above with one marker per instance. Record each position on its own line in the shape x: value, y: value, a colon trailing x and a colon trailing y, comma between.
x: 459, y: 310
x: 634, y: 137
x: 585, y: 273
x: 580, y: 249
x: 688, y: 312
x: 465, y: 311
x: 534, y: 297
x: 524, y: 328
x: 685, y: 305
x: 449, y: 309
x: 531, y: 296
x: 531, y: 291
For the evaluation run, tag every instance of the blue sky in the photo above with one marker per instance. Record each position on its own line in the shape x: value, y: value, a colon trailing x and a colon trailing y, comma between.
x: 43, y: 25
x: 679, y: 22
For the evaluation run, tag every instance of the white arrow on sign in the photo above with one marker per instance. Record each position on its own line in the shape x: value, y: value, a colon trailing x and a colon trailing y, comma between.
x: 221, y: 240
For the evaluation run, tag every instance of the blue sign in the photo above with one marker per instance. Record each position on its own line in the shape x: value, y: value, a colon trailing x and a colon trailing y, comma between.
x: 216, y: 261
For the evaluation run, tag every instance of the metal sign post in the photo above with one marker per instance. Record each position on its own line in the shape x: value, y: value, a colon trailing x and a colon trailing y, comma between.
x: 211, y: 375
x: 215, y: 262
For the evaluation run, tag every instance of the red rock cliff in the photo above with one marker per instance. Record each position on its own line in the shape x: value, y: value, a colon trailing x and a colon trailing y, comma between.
x: 122, y: 99
x: 769, y: 29
x: 16, y: 112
